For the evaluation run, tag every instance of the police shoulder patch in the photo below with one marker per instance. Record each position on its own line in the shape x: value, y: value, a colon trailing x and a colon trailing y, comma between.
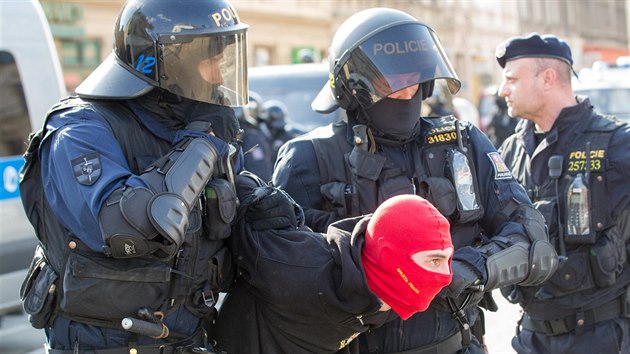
x: 87, y: 168
x: 501, y: 171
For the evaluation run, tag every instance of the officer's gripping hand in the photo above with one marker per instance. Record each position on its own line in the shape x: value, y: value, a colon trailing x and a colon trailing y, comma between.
x: 273, y: 208
x: 469, y: 273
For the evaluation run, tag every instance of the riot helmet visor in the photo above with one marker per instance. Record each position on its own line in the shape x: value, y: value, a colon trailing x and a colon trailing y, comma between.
x: 210, y: 67
x: 393, y: 59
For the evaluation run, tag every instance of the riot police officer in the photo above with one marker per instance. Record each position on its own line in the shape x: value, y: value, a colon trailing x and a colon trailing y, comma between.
x: 254, y: 106
x: 130, y: 186
x: 573, y: 163
x: 383, y: 63
x: 273, y: 115
x: 257, y: 152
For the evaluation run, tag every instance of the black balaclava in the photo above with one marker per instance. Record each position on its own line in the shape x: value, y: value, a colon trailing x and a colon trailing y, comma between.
x: 396, y: 119
x: 176, y: 112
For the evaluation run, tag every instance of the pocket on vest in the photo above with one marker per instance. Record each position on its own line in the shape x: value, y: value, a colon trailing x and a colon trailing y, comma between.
x: 220, y: 209
x: 608, y: 257
x: 573, y: 276
x: 111, y: 289
x: 39, y: 293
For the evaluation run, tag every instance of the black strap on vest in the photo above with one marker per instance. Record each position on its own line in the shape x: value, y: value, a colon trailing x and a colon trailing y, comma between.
x: 194, y: 344
x: 126, y: 127
x: 335, y: 142
x: 576, y: 322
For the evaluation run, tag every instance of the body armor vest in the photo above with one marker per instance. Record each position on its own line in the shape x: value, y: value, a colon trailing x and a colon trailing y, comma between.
x: 354, y: 181
x: 594, y: 261
x: 82, y: 278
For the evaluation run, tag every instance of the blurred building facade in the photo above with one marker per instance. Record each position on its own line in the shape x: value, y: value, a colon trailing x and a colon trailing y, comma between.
x: 281, y: 31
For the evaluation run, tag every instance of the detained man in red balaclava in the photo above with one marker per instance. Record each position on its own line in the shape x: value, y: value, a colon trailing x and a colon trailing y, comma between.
x: 407, y: 254
x: 306, y: 292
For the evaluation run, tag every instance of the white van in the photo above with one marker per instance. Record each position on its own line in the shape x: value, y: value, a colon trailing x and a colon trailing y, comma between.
x: 608, y: 88
x: 30, y: 83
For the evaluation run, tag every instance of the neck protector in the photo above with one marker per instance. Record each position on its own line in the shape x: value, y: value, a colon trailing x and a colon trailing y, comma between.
x: 395, y: 118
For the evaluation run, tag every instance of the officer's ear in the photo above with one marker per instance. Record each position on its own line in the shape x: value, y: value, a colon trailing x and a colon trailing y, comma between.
x: 550, y: 76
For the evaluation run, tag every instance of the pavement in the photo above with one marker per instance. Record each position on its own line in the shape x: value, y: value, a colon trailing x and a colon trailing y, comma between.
x: 18, y: 337
x: 501, y: 326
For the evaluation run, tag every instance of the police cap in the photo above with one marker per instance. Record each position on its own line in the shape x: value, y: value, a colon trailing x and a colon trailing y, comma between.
x: 546, y: 46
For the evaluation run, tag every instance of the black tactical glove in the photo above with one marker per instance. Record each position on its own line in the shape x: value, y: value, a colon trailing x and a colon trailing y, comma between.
x: 469, y: 273
x: 464, y: 278
x: 273, y: 208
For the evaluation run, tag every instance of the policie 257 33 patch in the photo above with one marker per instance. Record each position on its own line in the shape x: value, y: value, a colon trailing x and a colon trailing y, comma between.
x: 501, y: 171
x: 87, y: 168
x: 579, y: 161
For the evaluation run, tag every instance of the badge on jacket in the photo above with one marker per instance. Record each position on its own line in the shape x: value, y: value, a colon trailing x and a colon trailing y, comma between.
x: 501, y: 171
x: 87, y: 168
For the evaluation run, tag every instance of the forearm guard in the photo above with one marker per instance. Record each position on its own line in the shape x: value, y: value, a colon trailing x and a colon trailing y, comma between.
x: 523, y: 262
x: 137, y: 221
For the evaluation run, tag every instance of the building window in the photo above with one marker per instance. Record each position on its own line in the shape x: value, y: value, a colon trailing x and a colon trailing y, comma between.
x: 80, y: 52
x: 262, y: 56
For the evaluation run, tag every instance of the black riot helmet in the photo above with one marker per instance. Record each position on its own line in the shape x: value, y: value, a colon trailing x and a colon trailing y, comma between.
x: 380, y: 51
x: 191, y: 48
x: 274, y: 113
x: 255, y: 104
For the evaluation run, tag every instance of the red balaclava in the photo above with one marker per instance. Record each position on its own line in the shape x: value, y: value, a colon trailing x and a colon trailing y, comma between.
x: 399, y: 228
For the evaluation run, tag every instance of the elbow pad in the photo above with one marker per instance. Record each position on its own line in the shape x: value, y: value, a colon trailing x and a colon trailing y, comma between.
x: 137, y: 221
x: 522, y: 265
x: 532, y: 220
x: 543, y: 262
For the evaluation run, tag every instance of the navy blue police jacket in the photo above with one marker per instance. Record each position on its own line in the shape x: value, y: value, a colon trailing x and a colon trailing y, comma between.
x: 73, y: 133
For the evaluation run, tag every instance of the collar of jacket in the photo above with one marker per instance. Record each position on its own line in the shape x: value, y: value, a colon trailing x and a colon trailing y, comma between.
x: 425, y: 126
x: 573, y: 118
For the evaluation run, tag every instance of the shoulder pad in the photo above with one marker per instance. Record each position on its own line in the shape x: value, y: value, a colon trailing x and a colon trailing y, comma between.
x: 442, y: 121
x: 603, y: 123
x: 68, y: 102
x: 325, y: 132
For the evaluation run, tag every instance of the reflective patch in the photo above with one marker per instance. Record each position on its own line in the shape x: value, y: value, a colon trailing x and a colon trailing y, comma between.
x: 347, y: 341
x: 87, y: 168
x: 501, y: 171
x: 445, y: 137
x: 130, y: 249
x: 578, y: 160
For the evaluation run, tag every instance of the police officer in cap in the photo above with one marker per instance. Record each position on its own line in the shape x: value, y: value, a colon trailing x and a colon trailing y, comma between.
x: 383, y: 64
x: 574, y: 164
x: 130, y: 186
